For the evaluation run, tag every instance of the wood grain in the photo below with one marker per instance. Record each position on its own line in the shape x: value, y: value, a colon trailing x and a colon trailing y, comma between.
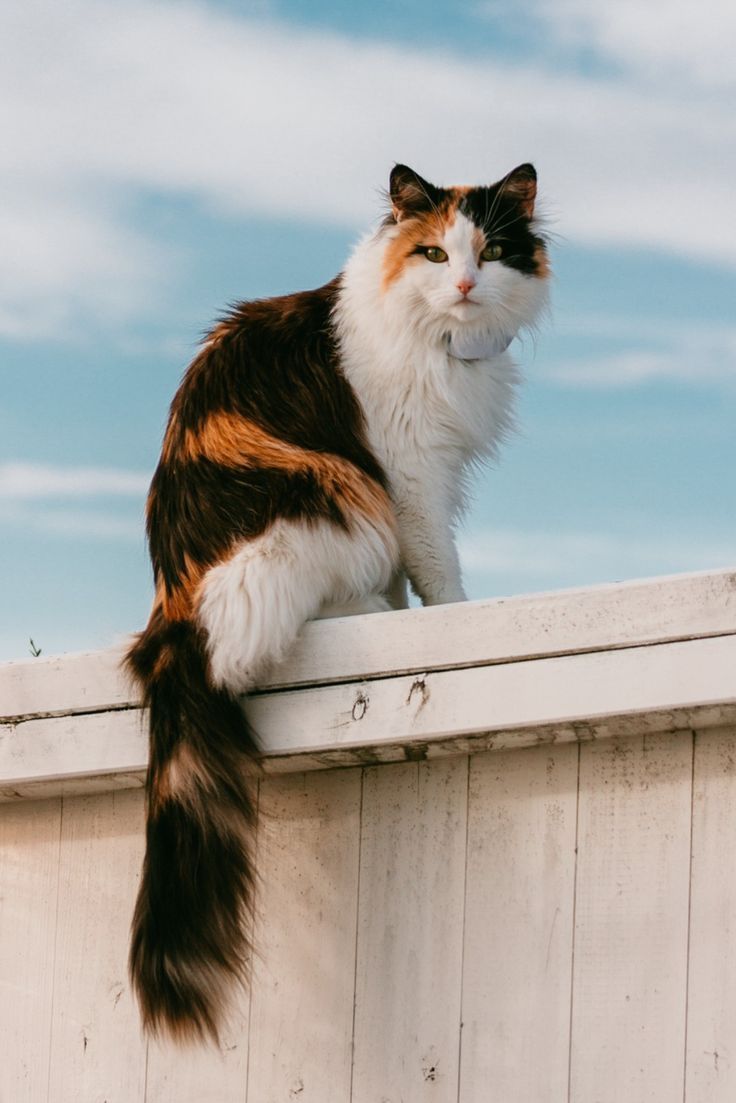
x: 518, y: 925
x: 410, y: 933
x: 711, y: 1012
x: 303, y: 980
x: 29, y: 880
x: 631, y: 920
x: 97, y: 1050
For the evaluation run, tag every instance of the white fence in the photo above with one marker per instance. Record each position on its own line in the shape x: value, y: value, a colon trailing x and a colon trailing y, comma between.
x: 446, y: 917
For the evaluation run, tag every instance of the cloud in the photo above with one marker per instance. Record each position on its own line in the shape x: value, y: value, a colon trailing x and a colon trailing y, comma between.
x: 37, y: 498
x: 24, y: 481
x: 72, y: 524
x: 580, y: 557
x: 658, y: 40
x: 111, y: 102
x: 663, y: 352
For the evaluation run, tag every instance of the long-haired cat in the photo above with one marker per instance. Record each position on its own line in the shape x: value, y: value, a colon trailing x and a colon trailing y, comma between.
x: 314, y: 458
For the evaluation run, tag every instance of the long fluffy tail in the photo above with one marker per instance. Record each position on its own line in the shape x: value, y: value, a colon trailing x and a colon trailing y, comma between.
x: 189, y: 933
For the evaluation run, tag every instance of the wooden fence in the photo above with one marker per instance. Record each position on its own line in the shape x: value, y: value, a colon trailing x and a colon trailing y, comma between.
x: 497, y: 844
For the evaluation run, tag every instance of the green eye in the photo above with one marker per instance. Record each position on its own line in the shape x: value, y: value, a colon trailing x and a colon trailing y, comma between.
x: 435, y: 254
x: 492, y: 252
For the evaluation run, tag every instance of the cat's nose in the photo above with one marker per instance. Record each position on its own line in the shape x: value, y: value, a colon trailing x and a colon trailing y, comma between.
x: 465, y: 285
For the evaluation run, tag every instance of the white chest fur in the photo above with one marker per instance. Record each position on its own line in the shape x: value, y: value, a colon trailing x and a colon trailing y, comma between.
x: 429, y: 414
x: 425, y: 408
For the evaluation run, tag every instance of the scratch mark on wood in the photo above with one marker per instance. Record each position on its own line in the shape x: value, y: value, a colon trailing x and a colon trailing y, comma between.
x: 549, y: 943
x: 360, y: 708
x: 419, y: 686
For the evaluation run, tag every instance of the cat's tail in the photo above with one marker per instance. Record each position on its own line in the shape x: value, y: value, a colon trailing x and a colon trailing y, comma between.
x: 189, y: 933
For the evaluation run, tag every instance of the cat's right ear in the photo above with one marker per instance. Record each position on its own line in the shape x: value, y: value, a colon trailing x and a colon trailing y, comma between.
x: 410, y: 194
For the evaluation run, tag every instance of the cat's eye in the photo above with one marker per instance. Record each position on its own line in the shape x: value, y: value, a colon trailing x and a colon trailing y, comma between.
x: 492, y: 252
x: 435, y: 254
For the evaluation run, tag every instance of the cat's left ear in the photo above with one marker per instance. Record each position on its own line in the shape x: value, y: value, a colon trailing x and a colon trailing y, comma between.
x: 410, y: 194
x: 521, y: 184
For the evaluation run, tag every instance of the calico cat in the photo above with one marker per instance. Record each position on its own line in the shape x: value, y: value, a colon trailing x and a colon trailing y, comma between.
x: 315, y: 457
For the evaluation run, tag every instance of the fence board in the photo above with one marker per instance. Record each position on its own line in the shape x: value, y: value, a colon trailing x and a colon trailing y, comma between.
x: 29, y: 876
x: 631, y: 926
x: 97, y: 1051
x: 711, y: 1022
x: 518, y: 925
x: 441, y: 637
x: 605, y: 693
x: 410, y: 932
x: 303, y: 980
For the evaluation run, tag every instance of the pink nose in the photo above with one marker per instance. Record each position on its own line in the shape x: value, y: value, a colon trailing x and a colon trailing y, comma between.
x: 465, y: 286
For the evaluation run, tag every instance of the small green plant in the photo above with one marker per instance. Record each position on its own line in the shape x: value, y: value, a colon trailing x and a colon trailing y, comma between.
x: 35, y: 651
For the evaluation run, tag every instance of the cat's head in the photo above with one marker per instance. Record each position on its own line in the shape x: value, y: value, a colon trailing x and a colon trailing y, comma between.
x: 466, y: 258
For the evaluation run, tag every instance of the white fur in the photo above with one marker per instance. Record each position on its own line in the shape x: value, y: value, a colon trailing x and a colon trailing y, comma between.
x: 253, y: 605
x: 429, y: 414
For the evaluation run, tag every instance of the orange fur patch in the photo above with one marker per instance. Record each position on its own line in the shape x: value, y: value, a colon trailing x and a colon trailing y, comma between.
x: 177, y: 603
x: 428, y: 229
x: 232, y: 440
x: 542, y: 261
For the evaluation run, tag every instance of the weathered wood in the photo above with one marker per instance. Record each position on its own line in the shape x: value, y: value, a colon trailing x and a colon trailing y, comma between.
x: 711, y: 1009
x: 518, y: 926
x: 412, y: 641
x: 370, y: 892
x: 631, y: 920
x: 575, y: 697
x: 410, y: 933
x: 304, y: 972
x: 29, y: 880
x: 97, y: 1050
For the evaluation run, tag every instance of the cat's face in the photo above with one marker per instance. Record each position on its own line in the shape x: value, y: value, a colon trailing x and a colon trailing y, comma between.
x: 465, y: 257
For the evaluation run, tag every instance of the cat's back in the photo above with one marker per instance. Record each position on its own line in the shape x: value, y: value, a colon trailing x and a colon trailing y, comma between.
x: 264, y: 347
x: 276, y: 363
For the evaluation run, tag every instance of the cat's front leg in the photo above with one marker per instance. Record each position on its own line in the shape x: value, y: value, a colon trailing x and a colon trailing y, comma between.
x: 427, y: 543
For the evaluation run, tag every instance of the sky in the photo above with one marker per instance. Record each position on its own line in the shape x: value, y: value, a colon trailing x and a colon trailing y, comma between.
x: 162, y: 159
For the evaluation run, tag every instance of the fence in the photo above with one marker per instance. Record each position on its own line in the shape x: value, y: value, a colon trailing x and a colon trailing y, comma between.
x: 496, y: 843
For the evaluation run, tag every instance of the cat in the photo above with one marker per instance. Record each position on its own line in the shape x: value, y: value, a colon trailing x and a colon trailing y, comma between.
x: 315, y: 458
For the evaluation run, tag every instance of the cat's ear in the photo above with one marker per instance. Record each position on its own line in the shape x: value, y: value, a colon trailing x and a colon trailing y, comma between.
x: 410, y: 194
x: 521, y: 184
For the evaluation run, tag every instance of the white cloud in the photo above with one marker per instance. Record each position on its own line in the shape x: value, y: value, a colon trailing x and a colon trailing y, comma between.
x: 581, y: 557
x: 659, y: 39
x: 76, y: 524
x: 25, y: 481
x: 109, y: 101
x: 667, y: 352
x: 37, y: 499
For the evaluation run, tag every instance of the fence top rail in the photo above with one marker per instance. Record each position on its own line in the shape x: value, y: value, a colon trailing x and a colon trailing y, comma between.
x: 655, y: 654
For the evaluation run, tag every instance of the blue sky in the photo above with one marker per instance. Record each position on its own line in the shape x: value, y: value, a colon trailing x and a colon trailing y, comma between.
x: 161, y: 159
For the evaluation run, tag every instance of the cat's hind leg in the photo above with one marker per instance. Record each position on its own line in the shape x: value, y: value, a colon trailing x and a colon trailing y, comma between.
x: 252, y: 605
